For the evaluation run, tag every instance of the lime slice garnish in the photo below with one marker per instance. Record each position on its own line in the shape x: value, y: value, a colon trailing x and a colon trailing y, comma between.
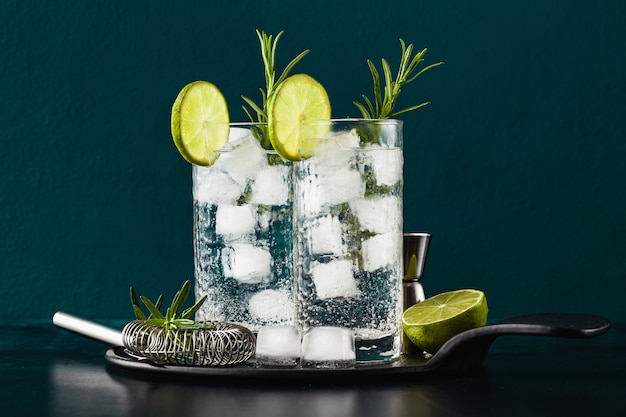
x: 432, y: 322
x: 200, y: 122
x: 299, y: 97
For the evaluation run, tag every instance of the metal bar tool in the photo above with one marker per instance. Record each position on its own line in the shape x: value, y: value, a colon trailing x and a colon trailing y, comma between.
x: 415, y: 252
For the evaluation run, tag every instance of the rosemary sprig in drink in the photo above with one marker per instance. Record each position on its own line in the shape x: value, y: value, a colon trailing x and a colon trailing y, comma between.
x: 385, y: 99
x: 268, y: 53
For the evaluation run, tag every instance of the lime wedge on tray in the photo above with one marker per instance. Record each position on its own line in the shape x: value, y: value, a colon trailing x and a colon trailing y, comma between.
x: 432, y: 322
x: 299, y: 97
x: 200, y: 122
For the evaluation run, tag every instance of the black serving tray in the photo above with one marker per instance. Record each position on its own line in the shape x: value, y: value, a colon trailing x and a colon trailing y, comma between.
x: 462, y: 354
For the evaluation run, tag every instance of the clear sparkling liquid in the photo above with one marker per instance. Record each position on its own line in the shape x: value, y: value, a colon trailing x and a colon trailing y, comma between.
x: 243, y: 235
x: 267, y: 297
x: 348, y: 256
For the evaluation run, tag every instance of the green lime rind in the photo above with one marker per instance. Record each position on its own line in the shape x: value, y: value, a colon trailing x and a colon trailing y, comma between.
x: 432, y: 322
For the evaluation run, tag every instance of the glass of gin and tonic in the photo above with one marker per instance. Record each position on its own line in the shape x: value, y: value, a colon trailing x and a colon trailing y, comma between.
x: 348, y: 221
x: 243, y: 233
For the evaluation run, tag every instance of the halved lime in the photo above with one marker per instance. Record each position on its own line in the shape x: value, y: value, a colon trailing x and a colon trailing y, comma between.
x: 432, y: 322
x: 200, y: 122
x: 299, y: 97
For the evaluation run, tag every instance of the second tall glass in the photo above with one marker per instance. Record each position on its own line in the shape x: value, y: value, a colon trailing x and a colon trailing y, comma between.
x: 348, y: 223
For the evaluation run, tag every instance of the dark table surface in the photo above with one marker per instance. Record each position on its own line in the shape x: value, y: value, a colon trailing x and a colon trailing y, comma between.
x: 46, y: 371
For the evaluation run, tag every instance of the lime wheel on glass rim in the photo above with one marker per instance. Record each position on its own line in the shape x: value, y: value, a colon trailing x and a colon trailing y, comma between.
x: 299, y: 97
x: 199, y: 122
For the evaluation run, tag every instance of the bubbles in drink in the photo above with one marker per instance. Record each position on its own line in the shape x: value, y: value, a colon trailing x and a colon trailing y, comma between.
x: 272, y: 306
x: 348, y: 220
x: 243, y: 235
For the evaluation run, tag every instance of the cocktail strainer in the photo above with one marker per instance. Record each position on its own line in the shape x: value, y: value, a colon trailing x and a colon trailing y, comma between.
x: 219, y: 344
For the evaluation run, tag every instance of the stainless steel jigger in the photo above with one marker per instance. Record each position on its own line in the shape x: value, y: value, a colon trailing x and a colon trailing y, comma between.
x: 415, y: 252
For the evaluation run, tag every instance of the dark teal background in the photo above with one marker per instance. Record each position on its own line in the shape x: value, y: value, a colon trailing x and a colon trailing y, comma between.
x: 517, y: 167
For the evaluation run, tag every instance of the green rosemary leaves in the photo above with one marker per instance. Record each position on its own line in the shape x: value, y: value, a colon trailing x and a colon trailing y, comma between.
x: 172, y: 319
x: 385, y: 99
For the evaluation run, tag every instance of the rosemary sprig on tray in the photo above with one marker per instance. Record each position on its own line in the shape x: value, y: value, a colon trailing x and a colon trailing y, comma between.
x: 171, y: 319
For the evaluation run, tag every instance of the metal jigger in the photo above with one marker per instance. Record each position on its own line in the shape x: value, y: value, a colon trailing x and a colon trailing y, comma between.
x: 415, y: 252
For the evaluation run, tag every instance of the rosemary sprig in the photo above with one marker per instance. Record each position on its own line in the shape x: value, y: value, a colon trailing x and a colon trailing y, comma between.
x: 268, y: 53
x: 385, y: 100
x: 172, y: 319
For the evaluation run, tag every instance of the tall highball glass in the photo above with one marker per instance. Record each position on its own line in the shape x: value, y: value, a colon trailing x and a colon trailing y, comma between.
x: 348, y: 222
x: 243, y: 233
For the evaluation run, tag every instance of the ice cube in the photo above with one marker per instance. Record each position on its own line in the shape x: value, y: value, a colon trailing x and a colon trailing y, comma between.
x: 236, y: 136
x: 264, y: 219
x: 328, y: 347
x: 234, y: 221
x: 349, y: 139
x: 334, y: 279
x: 386, y: 164
x: 342, y: 185
x: 326, y: 236
x: 212, y: 185
x: 210, y: 311
x: 332, y: 187
x: 270, y: 186
x: 244, y: 160
x: 335, y: 151
x: 271, y: 306
x: 247, y: 263
x: 378, y: 214
x: 380, y: 251
x: 278, y: 345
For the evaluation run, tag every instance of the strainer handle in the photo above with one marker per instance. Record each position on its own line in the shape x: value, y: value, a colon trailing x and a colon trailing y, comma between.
x: 88, y: 328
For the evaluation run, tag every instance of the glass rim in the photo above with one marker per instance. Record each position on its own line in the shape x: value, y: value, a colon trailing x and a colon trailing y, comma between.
x: 229, y: 146
x: 353, y: 120
x: 243, y: 124
x: 228, y: 149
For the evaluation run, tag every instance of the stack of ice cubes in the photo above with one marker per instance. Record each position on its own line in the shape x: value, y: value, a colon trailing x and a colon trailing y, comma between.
x: 243, y: 166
